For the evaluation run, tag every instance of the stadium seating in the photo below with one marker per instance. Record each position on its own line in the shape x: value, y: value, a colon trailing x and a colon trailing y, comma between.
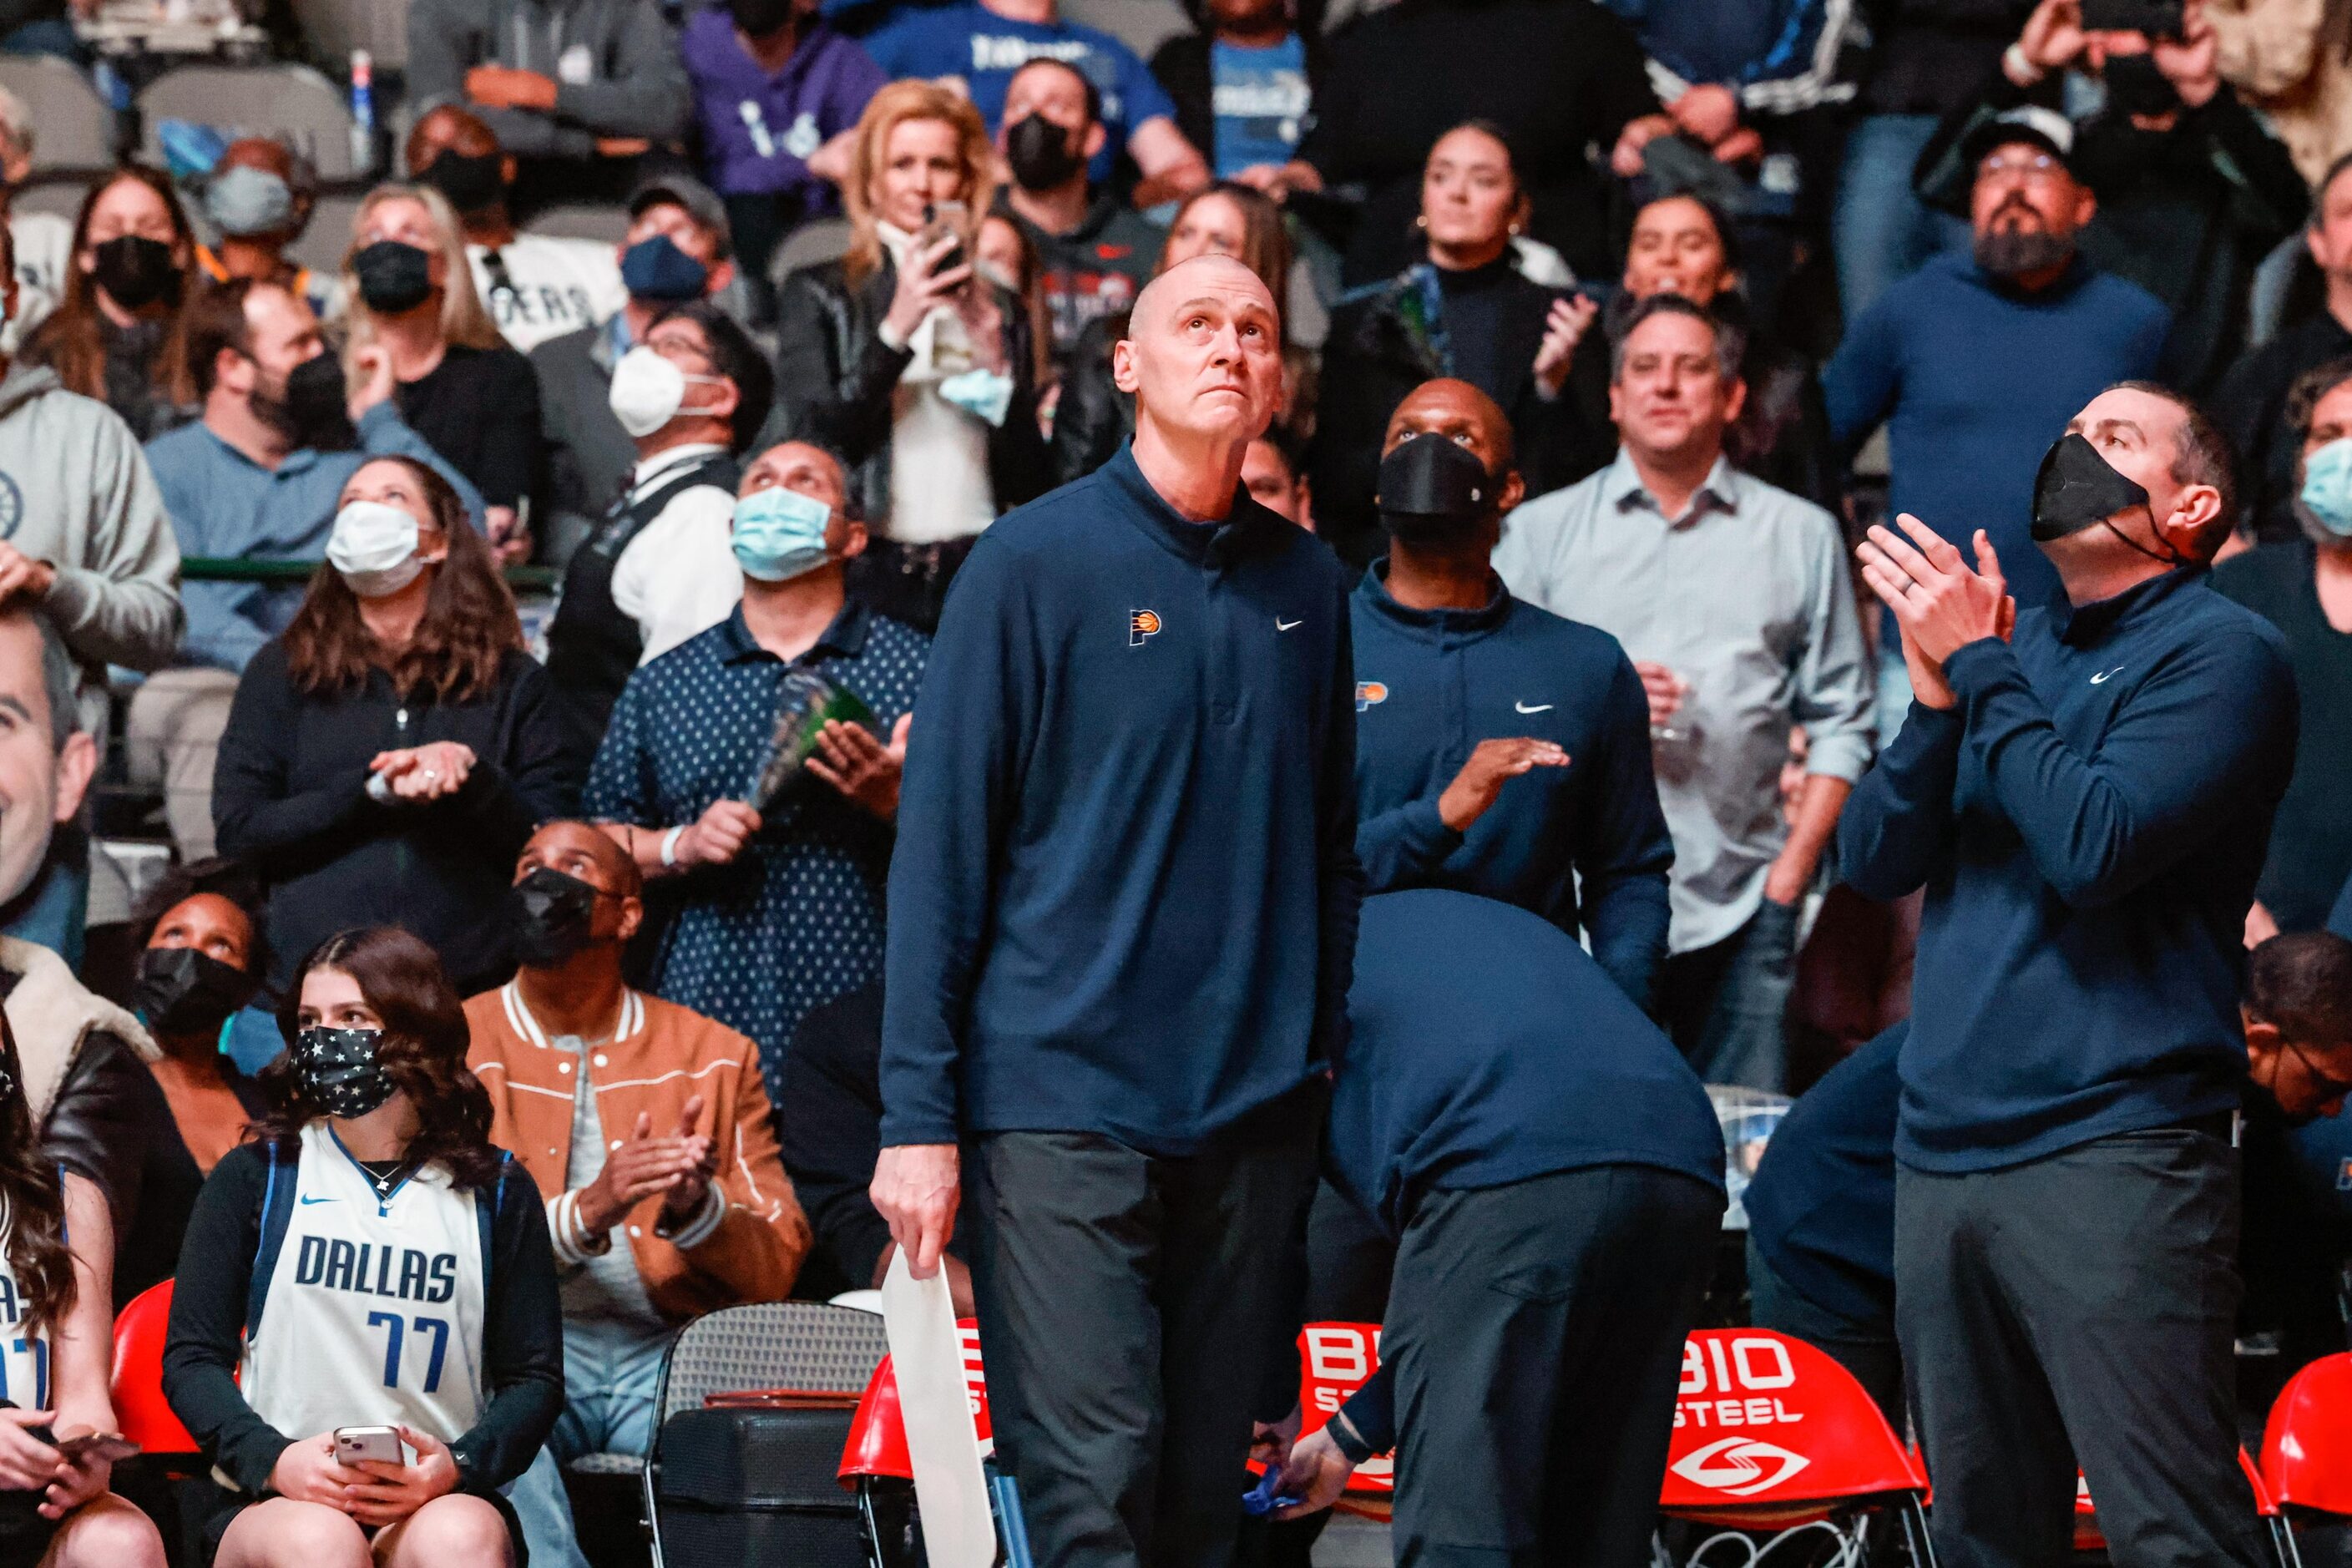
x: 293, y: 104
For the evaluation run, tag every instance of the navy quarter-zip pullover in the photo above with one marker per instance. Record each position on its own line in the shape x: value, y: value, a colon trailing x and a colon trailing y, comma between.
x: 2088, y: 823
x: 1431, y: 685
x: 1123, y: 897
x: 1485, y: 1047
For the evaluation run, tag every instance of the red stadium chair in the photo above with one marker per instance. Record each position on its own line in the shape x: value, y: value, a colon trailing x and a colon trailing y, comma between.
x: 2307, y: 1447
x: 874, y: 1465
x: 1770, y: 1434
x: 1334, y: 1361
x: 138, y: 1384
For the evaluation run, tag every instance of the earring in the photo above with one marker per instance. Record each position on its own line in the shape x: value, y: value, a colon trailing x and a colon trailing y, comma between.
x: 1422, y: 221
x: 1515, y: 231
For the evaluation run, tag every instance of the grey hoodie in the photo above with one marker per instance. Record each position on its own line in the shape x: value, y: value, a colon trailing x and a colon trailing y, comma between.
x: 76, y: 491
x: 615, y: 63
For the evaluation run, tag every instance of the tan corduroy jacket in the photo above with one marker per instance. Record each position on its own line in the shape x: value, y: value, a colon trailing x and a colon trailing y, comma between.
x: 747, y: 1243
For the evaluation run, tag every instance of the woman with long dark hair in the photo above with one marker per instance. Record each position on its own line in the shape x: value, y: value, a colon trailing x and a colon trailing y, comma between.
x: 117, y: 335
x: 367, y: 1259
x: 386, y: 756
x: 57, y: 1343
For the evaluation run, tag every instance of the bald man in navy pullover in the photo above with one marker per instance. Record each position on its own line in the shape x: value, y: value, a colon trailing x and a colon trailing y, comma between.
x: 2086, y: 801
x: 1122, y: 918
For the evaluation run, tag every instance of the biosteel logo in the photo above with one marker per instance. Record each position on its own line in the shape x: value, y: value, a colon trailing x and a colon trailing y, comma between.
x: 1741, y: 1467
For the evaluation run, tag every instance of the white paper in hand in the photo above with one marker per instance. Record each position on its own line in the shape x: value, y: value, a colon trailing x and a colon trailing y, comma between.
x: 927, y: 1356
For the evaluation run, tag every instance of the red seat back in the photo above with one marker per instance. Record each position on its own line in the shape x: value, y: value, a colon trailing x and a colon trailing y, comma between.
x: 138, y: 1387
x: 2307, y: 1445
x: 1768, y: 1427
x: 876, y: 1449
x: 1334, y: 1361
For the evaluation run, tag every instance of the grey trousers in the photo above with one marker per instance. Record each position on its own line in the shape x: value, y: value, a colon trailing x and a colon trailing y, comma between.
x: 1129, y: 1308
x: 1537, y: 1332
x: 2079, y: 1308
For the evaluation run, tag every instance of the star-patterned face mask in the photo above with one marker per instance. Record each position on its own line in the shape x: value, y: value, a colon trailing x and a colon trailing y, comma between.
x: 338, y: 1071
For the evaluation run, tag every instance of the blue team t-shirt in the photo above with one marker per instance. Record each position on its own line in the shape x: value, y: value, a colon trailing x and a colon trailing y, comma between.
x: 1258, y: 97
x: 970, y: 41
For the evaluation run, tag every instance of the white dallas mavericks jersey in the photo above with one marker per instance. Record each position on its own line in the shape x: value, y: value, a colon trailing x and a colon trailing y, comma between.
x: 374, y: 1310
x: 24, y: 1358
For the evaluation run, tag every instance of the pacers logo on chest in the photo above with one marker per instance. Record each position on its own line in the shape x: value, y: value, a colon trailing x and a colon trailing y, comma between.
x: 1141, y: 624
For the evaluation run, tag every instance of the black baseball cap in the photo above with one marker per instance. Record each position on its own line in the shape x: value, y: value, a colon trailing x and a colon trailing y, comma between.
x: 700, y: 202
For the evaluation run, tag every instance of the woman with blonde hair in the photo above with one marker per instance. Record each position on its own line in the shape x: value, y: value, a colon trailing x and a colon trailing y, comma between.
x: 409, y: 288
x: 920, y: 372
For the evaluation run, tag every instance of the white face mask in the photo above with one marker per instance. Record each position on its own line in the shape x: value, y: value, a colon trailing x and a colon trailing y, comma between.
x: 649, y: 391
x: 373, y: 548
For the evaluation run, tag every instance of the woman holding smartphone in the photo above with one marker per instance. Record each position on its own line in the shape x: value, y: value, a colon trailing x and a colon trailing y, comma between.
x: 920, y: 374
x: 56, y: 1346
x: 367, y: 1259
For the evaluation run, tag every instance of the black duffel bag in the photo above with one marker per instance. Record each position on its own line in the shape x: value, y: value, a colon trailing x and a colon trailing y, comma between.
x: 737, y: 1486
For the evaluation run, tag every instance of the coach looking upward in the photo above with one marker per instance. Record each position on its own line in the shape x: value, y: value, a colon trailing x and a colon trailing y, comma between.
x: 1122, y: 916
x: 2086, y: 803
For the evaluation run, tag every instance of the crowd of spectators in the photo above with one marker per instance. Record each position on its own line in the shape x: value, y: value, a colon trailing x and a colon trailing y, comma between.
x: 1607, y: 328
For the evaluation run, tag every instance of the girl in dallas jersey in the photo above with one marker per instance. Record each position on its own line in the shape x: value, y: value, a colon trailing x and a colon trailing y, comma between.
x: 57, y: 1342
x: 367, y: 1258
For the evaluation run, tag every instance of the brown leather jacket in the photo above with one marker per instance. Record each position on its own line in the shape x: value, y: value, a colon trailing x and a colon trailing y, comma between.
x: 750, y: 1249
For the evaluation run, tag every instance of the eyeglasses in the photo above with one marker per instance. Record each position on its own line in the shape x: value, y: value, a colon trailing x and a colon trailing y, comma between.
x: 2330, y: 1086
x: 2021, y: 166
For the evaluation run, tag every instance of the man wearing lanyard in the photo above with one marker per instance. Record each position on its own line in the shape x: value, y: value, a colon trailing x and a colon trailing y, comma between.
x: 2084, y: 791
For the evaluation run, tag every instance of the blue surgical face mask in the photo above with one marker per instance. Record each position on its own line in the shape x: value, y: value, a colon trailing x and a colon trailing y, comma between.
x: 242, y: 200
x: 2324, y: 505
x: 780, y: 534
x: 656, y: 268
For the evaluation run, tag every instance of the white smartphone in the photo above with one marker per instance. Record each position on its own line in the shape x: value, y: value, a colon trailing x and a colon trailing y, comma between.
x: 382, y: 1444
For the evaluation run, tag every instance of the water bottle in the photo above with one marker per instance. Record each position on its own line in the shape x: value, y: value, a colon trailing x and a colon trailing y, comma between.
x: 362, y: 112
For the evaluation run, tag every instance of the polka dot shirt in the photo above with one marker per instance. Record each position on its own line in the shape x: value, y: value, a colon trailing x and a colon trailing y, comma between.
x: 796, y: 921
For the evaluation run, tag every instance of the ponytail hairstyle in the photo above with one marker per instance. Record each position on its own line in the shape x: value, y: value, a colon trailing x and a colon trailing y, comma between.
x: 422, y: 1050
x: 34, y: 1195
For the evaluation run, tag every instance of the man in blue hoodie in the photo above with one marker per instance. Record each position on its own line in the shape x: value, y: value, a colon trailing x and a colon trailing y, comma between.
x: 2084, y: 791
x: 1122, y: 915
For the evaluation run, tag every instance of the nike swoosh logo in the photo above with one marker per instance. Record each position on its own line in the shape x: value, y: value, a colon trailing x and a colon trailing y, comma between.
x: 2101, y: 678
x: 1282, y: 626
x: 306, y: 1202
x: 1538, y: 708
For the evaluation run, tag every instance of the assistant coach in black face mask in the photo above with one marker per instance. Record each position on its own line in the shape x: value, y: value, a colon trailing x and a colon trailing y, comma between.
x: 2085, y: 793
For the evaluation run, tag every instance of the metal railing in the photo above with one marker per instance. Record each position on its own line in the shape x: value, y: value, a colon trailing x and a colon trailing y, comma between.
x: 237, y: 568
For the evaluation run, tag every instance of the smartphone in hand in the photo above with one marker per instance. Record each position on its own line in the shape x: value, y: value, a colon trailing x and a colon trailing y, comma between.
x: 356, y: 1444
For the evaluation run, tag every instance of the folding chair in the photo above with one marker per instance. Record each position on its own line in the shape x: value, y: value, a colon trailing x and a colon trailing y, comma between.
x: 1771, y: 1434
x: 824, y: 1355
x: 2307, y: 1465
x: 874, y: 1465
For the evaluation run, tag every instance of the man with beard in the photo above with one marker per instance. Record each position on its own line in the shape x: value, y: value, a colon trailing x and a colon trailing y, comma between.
x: 2194, y: 189
x: 1976, y: 362
x: 2084, y: 793
x: 256, y: 478
x: 1733, y: 600
x: 2303, y: 588
x: 1499, y: 750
